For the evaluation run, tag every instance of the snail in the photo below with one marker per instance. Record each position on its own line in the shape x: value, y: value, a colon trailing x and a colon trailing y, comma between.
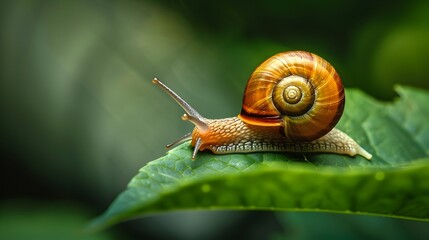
x: 291, y: 103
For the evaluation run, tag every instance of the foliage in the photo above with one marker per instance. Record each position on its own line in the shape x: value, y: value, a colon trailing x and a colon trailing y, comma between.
x: 393, y: 184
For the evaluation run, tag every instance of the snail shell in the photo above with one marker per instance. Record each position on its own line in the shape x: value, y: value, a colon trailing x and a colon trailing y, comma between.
x: 297, y: 90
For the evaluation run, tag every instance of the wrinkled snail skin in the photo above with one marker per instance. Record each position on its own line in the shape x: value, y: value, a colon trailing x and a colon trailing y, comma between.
x: 291, y: 103
x: 232, y: 135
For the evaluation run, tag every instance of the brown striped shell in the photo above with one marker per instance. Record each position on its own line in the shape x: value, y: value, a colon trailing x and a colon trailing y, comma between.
x: 296, y: 90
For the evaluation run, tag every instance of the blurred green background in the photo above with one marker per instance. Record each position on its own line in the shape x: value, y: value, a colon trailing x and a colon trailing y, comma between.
x: 79, y: 115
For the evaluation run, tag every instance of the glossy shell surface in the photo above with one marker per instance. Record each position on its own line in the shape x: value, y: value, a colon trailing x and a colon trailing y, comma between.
x: 298, y: 91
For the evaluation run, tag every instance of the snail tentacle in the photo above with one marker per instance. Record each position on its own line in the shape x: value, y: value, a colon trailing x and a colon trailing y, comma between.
x: 184, y: 138
x: 200, y: 123
x: 197, y: 147
x: 192, y: 114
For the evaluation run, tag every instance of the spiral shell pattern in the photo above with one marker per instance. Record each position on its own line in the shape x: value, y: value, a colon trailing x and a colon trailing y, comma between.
x: 297, y: 90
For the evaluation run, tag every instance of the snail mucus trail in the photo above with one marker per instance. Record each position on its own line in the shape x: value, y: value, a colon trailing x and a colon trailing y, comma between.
x: 291, y: 103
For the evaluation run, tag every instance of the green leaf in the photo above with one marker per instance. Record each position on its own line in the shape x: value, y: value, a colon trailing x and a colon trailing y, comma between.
x: 395, y: 183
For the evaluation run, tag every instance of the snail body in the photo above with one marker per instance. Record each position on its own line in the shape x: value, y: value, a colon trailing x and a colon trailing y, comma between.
x: 291, y: 103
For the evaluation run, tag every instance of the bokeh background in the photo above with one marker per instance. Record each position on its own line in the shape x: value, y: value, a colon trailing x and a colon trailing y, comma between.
x: 79, y: 115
